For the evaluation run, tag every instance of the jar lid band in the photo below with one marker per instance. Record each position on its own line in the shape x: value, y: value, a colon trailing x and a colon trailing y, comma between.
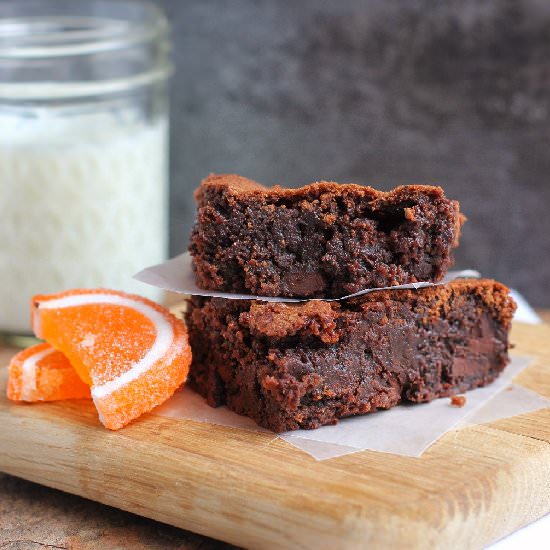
x: 22, y: 91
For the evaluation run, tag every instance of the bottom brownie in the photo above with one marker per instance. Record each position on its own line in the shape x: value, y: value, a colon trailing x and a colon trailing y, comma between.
x: 302, y: 365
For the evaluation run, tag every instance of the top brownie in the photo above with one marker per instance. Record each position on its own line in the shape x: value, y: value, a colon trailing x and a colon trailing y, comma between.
x: 324, y: 240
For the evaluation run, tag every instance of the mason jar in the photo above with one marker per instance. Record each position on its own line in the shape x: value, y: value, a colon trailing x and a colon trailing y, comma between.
x: 83, y: 148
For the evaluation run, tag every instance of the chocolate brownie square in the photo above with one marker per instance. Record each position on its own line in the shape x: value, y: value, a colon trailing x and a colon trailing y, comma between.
x: 307, y: 364
x: 324, y: 240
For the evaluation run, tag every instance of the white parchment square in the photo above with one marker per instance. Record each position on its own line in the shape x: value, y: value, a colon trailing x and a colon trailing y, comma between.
x: 406, y: 430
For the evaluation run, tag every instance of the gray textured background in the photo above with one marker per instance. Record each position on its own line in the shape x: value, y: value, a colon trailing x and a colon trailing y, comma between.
x: 381, y: 92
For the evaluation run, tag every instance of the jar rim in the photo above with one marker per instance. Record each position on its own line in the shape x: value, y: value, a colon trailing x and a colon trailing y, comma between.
x: 32, y: 33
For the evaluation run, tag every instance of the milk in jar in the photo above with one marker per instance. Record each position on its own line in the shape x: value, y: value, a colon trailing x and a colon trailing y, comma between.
x: 83, y: 149
x: 82, y: 204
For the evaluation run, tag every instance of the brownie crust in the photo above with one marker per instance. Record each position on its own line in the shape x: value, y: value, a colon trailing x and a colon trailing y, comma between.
x: 303, y: 365
x: 323, y: 240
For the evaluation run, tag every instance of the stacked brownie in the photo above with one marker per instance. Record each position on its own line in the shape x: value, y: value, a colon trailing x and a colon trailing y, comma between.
x: 306, y: 364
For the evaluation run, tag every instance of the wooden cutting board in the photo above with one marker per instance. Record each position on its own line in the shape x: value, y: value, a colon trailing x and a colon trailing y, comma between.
x: 472, y: 487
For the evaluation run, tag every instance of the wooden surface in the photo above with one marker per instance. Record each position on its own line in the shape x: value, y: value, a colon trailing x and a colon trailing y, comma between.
x: 471, y: 488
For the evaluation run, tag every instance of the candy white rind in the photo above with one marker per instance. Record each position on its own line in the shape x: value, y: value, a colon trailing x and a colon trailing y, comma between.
x: 28, y: 373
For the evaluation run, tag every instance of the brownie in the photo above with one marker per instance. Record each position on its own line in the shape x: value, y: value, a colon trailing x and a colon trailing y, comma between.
x: 324, y: 240
x: 306, y: 364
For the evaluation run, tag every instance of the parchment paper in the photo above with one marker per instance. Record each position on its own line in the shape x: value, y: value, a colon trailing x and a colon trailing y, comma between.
x: 404, y: 430
x: 176, y: 275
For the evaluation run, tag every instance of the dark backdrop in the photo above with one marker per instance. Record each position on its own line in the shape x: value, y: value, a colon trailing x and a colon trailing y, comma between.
x: 385, y: 92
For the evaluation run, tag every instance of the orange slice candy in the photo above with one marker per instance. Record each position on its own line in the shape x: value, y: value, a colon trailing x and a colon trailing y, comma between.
x: 133, y: 352
x: 40, y: 373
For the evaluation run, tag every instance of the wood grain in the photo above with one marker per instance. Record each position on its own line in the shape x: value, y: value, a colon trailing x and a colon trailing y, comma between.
x: 472, y: 487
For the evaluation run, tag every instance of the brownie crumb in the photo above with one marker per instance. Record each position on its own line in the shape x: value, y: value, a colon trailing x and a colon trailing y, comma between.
x: 458, y: 400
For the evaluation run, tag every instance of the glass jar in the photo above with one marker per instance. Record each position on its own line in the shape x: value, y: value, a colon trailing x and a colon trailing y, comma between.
x: 83, y: 148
